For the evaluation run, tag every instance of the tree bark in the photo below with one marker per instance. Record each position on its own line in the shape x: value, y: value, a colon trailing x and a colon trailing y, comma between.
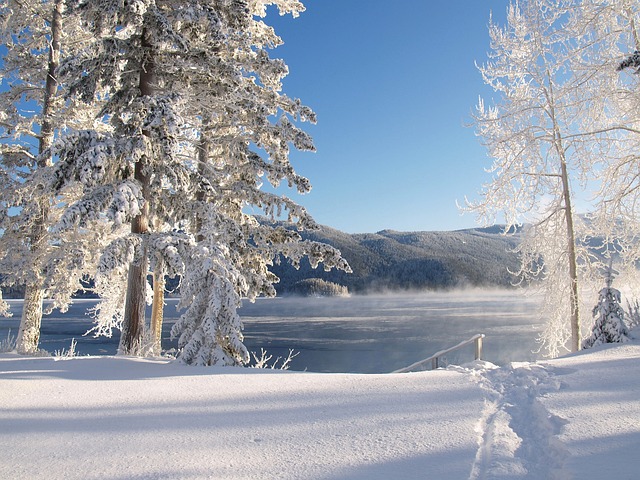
x: 632, y: 24
x: 132, y: 336
x: 574, y: 298
x: 31, y: 320
x: 203, y: 158
x: 157, y: 308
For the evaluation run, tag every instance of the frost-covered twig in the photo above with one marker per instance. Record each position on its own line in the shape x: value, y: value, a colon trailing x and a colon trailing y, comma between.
x: 8, y: 344
x: 66, y: 354
x: 263, y: 360
x: 633, y: 313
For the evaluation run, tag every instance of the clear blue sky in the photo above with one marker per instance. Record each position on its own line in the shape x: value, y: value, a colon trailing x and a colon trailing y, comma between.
x: 394, y: 85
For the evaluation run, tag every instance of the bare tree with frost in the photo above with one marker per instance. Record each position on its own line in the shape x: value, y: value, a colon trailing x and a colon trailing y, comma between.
x: 192, y: 98
x: 613, y: 28
x: 32, y: 112
x: 541, y: 136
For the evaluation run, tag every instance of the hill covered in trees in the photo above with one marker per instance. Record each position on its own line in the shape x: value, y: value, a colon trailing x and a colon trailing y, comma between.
x: 390, y: 260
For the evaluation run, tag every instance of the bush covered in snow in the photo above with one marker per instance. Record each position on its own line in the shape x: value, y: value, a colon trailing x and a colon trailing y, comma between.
x: 609, y: 326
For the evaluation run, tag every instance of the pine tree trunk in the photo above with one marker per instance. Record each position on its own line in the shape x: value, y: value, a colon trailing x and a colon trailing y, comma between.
x: 132, y: 336
x: 31, y: 320
x: 203, y: 158
x: 29, y: 330
x: 157, y: 316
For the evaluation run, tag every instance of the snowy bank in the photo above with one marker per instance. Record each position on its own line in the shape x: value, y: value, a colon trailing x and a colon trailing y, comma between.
x: 126, y: 418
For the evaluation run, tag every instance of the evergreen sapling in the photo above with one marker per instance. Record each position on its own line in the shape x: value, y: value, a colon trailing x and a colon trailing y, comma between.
x: 609, y: 326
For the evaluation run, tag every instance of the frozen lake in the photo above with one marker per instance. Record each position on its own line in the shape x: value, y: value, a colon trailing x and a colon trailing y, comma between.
x: 358, y: 334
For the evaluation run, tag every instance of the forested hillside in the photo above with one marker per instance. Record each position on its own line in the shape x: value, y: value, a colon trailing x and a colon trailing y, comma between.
x: 411, y: 260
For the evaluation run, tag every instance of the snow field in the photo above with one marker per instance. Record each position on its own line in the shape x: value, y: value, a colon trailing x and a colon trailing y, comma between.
x: 576, y: 417
x: 600, y: 403
x: 145, y: 419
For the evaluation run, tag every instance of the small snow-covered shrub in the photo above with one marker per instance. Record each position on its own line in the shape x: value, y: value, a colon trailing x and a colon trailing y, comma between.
x: 66, y: 354
x: 632, y: 315
x: 8, y: 344
x: 263, y: 360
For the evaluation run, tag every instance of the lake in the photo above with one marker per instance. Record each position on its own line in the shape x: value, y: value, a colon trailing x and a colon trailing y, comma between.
x: 357, y: 334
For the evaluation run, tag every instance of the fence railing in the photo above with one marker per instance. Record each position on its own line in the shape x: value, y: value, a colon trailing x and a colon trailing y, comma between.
x: 434, y: 359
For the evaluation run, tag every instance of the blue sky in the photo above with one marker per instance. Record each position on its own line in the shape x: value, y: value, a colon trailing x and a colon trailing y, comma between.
x: 394, y: 85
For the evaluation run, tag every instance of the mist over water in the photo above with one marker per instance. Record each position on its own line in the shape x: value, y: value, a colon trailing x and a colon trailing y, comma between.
x: 358, y: 334
x: 382, y: 333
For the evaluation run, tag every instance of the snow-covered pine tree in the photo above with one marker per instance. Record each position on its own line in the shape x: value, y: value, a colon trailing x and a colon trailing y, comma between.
x: 193, y: 94
x: 31, y: 114
x: 231, y: 172
x: 609, y: 326
x: 632, y: 61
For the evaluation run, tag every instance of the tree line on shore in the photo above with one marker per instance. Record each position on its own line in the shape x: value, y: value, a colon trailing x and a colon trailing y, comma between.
x: 135, y: 137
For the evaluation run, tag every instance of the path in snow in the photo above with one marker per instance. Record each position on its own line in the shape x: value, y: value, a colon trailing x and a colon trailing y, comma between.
x: 518, y: 435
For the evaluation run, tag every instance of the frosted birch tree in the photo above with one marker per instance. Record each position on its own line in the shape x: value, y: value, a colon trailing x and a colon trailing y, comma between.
x: 613, y: 29
x: 535, y: 134
x: 31, y: 113
x: 198, y: 119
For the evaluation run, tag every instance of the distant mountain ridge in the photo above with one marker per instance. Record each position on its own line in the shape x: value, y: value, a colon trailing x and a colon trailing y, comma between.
x: 391, y: 260
x: 412, y: 260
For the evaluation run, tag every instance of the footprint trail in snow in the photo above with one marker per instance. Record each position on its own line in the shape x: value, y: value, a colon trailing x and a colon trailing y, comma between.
x: 518, y: 435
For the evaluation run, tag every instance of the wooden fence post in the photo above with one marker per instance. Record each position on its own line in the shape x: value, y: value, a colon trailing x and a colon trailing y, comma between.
x: 479, y: 347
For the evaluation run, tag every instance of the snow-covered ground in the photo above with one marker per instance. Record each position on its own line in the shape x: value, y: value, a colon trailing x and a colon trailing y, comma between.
x: 125, y: 418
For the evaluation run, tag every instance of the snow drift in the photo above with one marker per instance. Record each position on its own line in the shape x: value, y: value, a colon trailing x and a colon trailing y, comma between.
x: 119, y: 417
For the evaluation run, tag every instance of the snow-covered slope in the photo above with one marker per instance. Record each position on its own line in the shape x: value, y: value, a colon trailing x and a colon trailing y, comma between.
x: 412, y: 260
x: 123, y: 418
